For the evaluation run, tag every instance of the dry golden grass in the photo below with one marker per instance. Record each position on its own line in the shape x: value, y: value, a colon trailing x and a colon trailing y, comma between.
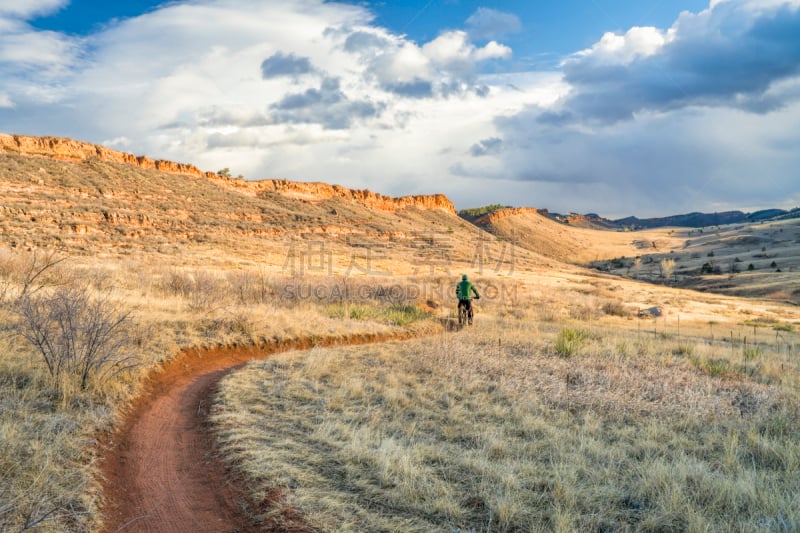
x: 48, y: 428
x: 499, y: 430
x: 572, y: 244
x: 493, y: 429
x: 753, y: 260
x: 101, y: 210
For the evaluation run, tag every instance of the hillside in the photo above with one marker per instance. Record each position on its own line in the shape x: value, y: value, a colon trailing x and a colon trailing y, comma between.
x: 753, y: 260
x: 84, y: 199
x: 201, y: 273
x: 534, y: 230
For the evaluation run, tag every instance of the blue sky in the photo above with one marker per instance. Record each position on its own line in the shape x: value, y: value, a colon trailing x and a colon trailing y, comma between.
x: 547, y: 31
x: 647, y: 107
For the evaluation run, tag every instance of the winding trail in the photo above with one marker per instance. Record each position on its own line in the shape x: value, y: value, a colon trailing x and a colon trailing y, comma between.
x: 159, y: 470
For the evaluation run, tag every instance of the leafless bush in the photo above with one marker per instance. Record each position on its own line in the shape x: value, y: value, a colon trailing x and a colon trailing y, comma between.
x: 202, y: 289
x: 26, y: 274
x: 34, y: 512
x: 250, y: 287
x: 78, y: 335
x: 176, y: 283
x: 582, y: 312
x: 206, y: 291
x: 548, y: 311
x: 616, y: 308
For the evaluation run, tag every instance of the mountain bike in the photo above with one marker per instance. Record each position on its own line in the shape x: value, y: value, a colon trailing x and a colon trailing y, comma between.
x: 463, y: 314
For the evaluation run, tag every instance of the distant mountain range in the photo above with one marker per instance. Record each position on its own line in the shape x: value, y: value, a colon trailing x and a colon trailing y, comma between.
x: 688, y: 220
x: 701, y: 220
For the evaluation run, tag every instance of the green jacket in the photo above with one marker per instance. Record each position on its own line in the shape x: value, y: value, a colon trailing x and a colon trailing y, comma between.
x: 464, y: 290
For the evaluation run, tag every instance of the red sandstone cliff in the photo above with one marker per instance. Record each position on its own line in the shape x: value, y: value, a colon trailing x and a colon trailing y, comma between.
x: 500, y: 214
x: 321, y: 191
x: 72, y: 150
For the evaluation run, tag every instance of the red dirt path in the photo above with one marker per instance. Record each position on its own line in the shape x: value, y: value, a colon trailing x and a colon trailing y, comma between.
x: 160, y: 472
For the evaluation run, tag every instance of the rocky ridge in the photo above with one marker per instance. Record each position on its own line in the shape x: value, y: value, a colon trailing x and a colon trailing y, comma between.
x: 66, y: 149
x: 501, y: 214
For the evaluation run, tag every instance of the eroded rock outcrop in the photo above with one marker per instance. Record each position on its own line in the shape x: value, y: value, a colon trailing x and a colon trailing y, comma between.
x: 500, y: 214
x: 71, y: 150
x: 322, y: 191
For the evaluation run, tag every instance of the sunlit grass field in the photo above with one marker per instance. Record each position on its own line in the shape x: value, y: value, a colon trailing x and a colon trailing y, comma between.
x: 51, y: 426
x: 560, y: 410
x: 486, y: 428
x: 523, y: 423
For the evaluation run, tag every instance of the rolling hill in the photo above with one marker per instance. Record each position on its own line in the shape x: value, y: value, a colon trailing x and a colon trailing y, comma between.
x: 578, y: 329
x: 84, y: 199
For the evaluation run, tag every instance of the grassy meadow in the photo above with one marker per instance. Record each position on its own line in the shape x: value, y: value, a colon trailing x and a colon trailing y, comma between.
x: 528, y: 421
x: 52, y: 423
x: 561, y: 410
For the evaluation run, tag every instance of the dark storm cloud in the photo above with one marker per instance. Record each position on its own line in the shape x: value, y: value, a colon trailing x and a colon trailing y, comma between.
x: 490, y: 146
x: 285, y: 65
x: 327, y: 106
x: 684, y: 160
x: 716, y: 59
x: 417, y: 88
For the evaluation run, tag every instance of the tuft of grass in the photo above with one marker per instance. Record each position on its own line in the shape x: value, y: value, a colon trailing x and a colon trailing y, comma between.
x: 751, y: 353
x: 402, y: 314
x: 683, y: 350
x: 569, y: 341
x: 713, y: 367
x: 397, y: 314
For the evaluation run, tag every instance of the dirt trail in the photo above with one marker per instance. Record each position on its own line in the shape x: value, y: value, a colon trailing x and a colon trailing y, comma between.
x: 159, y: 470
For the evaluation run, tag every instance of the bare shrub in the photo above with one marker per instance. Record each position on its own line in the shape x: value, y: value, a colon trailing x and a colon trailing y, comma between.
x: 548, y: 311
x: 202, y: 289
x: 78, y: 335
x: 616, y: 308
x: 205, y: 291
x: 582, y: 312
x: 250, y: 287
x: 176, y: 283
x: 25, y: 274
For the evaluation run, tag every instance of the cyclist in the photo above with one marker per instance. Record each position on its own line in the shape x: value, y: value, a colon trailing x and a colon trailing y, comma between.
x: 464, y: 291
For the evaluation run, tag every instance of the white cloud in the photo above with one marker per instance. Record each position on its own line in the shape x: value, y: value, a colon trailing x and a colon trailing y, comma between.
x: 37, y: 49
x: 404, y: 63
x: 30, y: 59
x: 25, y: 9
x: 731, y: 55
x: 647, y: 121
x: 493, y: 50
x: 117, y: 142
x: 618, y: 49
x: 453, y: 53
